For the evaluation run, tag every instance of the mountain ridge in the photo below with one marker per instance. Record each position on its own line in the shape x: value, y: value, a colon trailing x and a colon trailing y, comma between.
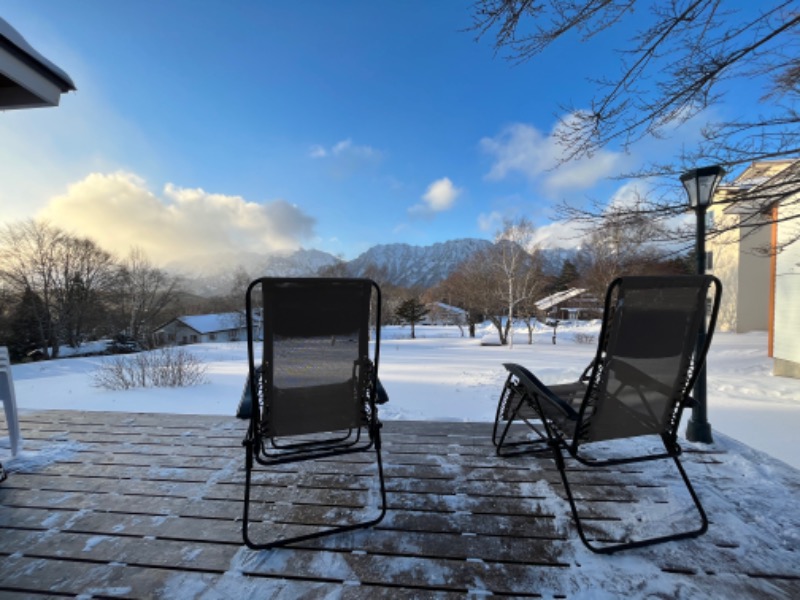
x: 400, y: 264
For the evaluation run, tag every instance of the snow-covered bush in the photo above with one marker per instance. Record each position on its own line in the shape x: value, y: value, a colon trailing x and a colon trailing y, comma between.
x: 167, y: 367
x: 584, y: 338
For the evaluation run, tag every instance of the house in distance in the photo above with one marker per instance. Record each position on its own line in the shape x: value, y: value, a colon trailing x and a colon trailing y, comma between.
x: 199, y: 329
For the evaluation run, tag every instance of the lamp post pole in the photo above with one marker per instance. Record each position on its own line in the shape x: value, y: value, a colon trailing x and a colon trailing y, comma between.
x: 700, y: 185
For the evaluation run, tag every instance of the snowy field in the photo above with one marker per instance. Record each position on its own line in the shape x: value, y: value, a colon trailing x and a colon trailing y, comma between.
x: 445, y: 377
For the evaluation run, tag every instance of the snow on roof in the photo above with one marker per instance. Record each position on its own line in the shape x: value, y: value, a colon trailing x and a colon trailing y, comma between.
x: 213, y: 323
x: 450, y: 308
x: 12, y: 37
x: 558, y: 297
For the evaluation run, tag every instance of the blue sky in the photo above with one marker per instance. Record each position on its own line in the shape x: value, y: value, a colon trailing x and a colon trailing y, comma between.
x: 203, y: 127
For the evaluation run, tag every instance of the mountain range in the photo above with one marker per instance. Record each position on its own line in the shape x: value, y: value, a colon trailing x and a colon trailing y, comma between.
x: 400, y: 264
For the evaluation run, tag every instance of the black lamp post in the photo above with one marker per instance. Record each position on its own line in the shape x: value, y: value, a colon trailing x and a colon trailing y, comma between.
x: 700, y: 185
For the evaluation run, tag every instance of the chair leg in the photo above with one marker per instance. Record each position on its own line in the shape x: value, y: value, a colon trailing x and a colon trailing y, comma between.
x: 248, y: 469
x: 608, y: 549
x: 504, y: 394
x: 251, y: 457
x: 520, y: 448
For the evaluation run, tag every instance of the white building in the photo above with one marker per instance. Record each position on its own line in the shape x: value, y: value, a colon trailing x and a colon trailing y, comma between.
x: 760, y: 211
x: 199, y: 329
x: 739, y: 256
x: 785, y: 332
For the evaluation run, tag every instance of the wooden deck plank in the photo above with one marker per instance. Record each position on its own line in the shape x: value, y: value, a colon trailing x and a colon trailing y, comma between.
x: 143, y: 506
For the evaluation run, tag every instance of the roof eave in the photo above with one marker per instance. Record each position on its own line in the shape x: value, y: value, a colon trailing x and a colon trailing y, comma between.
x: 27, y: 79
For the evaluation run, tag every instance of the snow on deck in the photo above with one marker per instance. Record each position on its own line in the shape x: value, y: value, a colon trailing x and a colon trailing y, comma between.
x: 148, y: 505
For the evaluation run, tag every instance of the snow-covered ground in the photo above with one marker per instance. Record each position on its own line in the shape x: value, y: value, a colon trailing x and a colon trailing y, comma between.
x: 443, y: 376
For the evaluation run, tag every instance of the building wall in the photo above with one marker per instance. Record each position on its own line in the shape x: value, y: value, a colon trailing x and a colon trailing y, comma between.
x: 725, y: 266
x: 787, y: 297
x: 743, y: 268
x: 178, y: 333
x: 754, y: 280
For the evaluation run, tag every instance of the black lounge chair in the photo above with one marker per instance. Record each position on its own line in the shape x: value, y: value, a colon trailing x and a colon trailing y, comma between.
x: 637, y: 385
x: 313, y: 391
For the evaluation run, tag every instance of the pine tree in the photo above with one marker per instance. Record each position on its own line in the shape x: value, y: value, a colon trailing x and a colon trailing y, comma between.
x: 411, y: 311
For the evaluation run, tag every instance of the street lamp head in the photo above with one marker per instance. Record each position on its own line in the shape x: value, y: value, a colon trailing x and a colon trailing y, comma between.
x: 701, y: 183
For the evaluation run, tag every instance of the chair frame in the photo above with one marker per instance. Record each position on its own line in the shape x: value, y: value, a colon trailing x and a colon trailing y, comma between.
x: 267, y: 450
x: 523, y: 397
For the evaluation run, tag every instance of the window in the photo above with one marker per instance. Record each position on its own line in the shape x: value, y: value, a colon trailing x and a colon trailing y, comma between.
x: 710, y: 260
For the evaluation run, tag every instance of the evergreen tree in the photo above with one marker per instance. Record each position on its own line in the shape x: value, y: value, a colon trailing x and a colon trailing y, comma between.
x: 28, y: 326
x: 568, y: 277
x: 411, y: 311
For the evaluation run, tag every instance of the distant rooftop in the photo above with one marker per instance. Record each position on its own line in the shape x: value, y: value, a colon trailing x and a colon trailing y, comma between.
x: 213, y: 323
x: 558, y: 298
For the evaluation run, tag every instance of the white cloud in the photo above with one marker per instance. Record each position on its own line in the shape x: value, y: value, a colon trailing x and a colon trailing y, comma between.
x: 490, y: 222
x: 344, y: 149
x: 119, y: 212
x: 558, y: 234
x: 345, y: 158
x: 43, y: 150
x: 628, y: 195
x: 523, y: 149
x: 440, y: 196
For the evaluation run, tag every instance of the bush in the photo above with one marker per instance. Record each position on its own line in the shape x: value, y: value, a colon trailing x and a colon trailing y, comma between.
x: 168, y: 367
x: 585, y: 338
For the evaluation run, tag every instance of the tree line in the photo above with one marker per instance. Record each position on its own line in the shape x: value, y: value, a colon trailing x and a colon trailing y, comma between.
x: 60, y: 289
x: 503, y: 283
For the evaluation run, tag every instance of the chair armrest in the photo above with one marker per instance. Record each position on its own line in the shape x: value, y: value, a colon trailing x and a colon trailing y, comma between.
x: 538, y: 389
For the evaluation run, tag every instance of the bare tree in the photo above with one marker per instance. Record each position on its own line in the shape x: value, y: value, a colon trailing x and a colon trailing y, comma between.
x: 685, y: 57
x: 28, y: 263
x: 458, y: 290
x: 520, y: 278
x: 84, y: 277
x: 143, y: 293
x: 473, y: 287
x: 62, y: 277
x: 494, y: 282
x: 527, y: 311
x: 335, y: 269
x: 615, y: 247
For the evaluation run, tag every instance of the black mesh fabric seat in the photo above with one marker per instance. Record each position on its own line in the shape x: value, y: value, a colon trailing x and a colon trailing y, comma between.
x: 653, y: 342
x: 313, y: 393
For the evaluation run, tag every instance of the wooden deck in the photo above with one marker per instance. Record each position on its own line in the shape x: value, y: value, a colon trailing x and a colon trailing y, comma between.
x: 122, y: 505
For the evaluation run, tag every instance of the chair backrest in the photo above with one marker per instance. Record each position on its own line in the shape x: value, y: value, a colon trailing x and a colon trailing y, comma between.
x: 315, y: 361
x: 648, y: 357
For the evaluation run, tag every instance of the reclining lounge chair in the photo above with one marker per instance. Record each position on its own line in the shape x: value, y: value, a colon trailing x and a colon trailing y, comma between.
x: 651, y: 348
x: 315, y: 390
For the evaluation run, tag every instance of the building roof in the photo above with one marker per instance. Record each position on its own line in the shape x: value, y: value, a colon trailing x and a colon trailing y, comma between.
x: 27, y: 79
x: 558, y: 298
x: 759, y: 187
x: 213, y: 323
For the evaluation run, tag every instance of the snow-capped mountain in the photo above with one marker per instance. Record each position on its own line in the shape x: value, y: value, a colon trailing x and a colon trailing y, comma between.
x: 214, y: 276
x: 416, y: 266
x: 399, y: 264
